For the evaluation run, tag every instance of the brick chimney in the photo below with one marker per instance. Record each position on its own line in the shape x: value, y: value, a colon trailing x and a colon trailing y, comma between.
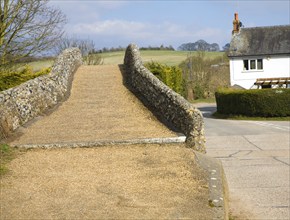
x: 236, y: 24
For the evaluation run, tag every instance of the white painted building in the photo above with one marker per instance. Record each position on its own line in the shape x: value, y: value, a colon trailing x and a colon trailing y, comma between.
x: 259, y: 52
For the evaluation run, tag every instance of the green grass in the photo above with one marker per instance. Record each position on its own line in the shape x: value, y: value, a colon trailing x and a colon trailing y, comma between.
x: 167, y: 57
x: 42, y: 64
x: 240, y: 117
x: 113, y: 57
x: 6, y: 155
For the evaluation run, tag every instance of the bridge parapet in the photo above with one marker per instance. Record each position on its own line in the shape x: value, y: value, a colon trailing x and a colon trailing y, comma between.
x: 170, y: 105
x: 22, y: 103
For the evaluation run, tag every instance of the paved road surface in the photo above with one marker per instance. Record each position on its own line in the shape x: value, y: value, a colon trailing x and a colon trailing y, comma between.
x: 255, y: 156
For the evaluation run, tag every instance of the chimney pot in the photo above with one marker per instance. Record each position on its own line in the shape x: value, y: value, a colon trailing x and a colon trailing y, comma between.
x: 236, y: 16
x: 236, y: 24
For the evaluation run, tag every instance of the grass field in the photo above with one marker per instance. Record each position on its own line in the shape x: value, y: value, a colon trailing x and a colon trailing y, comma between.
x: 170, y: 58
x: 39, y: 65
x: 6, y: 155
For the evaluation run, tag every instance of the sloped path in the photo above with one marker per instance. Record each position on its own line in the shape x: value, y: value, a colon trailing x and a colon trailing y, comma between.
x: 129, y: 182
x: 100, y: 108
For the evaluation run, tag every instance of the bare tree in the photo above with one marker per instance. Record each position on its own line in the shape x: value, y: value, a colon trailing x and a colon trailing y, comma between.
x: 28, y: 27
x: 86, y: 46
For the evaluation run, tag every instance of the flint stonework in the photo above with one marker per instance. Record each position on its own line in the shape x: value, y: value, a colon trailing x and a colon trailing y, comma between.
x: 172, y: 106
x: 22, y: 103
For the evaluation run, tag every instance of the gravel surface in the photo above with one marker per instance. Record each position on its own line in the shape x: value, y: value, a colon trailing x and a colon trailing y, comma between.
x: 114, y: 182
x: 129, y: 182
x: 100, y: 108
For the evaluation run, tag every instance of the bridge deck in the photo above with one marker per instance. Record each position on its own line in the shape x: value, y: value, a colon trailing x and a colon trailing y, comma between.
x: 100, y: 108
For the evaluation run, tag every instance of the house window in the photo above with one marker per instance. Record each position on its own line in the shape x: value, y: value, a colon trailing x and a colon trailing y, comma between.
x: 246, y: 65
x: 253, y: 64
x: 260, y: 64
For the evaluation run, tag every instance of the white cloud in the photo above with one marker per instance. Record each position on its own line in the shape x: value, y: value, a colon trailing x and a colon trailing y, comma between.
x: 109, y: 27
x: 118, y: 31
x: 114, y: 22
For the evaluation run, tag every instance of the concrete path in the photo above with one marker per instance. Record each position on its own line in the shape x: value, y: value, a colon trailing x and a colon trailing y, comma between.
x: 255, y: 156
x: 99, y: 108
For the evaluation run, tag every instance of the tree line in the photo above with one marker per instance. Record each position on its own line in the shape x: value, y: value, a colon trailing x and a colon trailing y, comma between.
x: 202, y: 45
x: 120, y: 48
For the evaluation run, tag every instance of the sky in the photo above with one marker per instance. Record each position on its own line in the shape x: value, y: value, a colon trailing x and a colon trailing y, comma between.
x: 153, y: 23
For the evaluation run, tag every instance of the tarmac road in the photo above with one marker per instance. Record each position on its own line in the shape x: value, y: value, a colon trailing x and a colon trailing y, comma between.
x: 255, y: 156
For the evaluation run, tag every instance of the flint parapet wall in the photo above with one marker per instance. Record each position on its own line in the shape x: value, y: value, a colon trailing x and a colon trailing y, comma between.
x: 22, y: 103
x: 170, y: 105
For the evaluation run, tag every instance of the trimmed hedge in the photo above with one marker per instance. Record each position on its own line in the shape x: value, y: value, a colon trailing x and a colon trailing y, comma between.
x: 260, y: 102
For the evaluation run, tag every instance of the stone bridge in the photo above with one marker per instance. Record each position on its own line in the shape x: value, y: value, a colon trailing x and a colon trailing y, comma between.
x: 101, y: 107
x: 79, y: 106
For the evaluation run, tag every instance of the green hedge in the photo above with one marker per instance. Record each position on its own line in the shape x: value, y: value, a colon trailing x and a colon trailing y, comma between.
x: 169, y: 75
x: 10, y: 78
x: 260, y: 102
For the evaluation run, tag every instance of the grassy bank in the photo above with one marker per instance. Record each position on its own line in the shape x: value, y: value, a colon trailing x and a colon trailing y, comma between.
x: 167, y: 57
x: 247, y: 118
x: 42, y: 64
x: 6, y: 155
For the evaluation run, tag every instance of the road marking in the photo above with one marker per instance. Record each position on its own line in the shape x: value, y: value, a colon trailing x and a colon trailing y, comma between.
x: 266, y: 124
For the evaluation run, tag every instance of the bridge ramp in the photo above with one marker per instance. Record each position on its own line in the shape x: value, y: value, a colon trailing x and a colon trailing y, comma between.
x: 99, y: 108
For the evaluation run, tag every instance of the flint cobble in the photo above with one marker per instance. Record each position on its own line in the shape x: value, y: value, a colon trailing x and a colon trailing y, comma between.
x: 170, y: 105
x: 22, y: 103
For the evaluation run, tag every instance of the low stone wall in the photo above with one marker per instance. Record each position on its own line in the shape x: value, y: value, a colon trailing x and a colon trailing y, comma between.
x: 170, y: 105
x: 20, y: 104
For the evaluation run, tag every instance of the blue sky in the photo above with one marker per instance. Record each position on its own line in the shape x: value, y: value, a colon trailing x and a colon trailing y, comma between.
x: 118, y: 23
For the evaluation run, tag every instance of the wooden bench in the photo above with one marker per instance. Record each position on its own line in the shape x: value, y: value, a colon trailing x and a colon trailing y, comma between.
x: 267, y: 82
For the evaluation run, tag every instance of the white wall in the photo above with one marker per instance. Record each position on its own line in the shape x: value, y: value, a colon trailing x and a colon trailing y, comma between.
x: 273, y: 66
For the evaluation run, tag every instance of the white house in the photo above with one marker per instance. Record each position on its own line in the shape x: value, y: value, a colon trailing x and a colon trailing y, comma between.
x: 259, y: 53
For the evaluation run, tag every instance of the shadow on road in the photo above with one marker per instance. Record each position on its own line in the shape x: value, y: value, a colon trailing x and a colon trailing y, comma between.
x: 207, y: 111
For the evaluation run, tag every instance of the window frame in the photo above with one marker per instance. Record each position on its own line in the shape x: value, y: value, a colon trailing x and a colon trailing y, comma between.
x: 253, y: 65
x: 262, y: 65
